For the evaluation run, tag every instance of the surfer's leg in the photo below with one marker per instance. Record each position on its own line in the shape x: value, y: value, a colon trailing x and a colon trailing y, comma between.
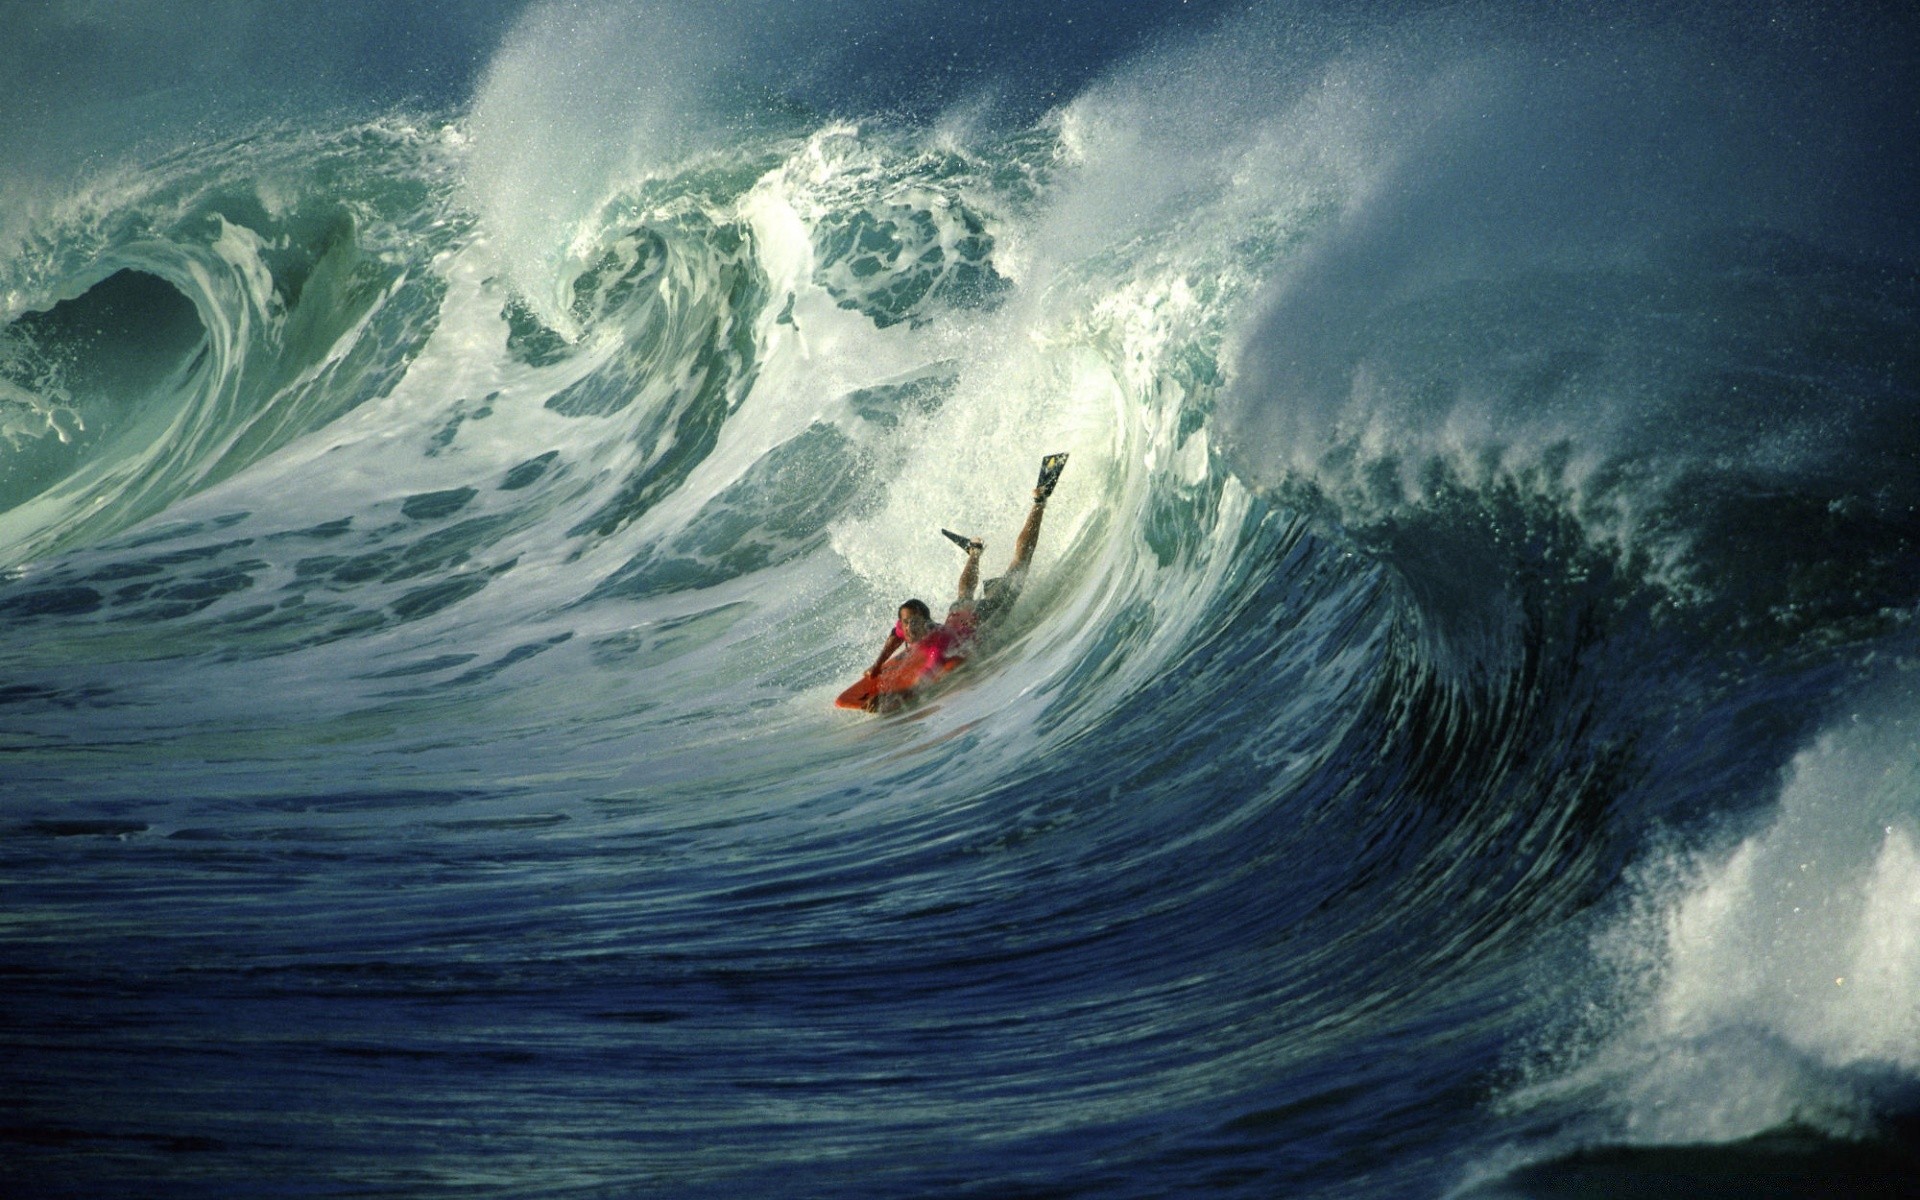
x: 970, y: 574
x: 1029, y: 535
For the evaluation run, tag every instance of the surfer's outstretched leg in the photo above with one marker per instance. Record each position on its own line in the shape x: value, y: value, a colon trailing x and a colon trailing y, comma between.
x: 1050, y: 468
x: 1029, y: 534
x: 970, y: 574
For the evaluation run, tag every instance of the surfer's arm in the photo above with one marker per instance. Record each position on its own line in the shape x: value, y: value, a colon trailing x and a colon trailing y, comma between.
x: 894, y: 642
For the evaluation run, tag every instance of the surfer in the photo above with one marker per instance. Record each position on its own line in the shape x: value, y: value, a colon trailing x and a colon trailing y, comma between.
x: 931, y: 644
x: 935, y: 644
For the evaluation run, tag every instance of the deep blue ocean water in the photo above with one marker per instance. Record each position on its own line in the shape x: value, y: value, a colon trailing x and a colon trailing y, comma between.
x: 1461, y: 739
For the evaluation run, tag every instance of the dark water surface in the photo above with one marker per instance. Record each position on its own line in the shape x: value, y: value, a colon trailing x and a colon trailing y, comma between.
x: 1462, y: 737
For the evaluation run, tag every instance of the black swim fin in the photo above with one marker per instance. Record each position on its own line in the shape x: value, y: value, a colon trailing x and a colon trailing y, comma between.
x: 1050, y: 468
x: 959, y: 539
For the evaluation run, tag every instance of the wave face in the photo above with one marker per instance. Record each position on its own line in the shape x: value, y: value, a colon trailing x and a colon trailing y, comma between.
x: 1460, y: 738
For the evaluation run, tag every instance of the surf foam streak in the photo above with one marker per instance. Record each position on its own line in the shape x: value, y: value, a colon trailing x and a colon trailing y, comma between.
x: 511, y: 637
x: 581, y: 98
x: 1774, y: 985
x: 298, y: 297
x: 1512, y: 278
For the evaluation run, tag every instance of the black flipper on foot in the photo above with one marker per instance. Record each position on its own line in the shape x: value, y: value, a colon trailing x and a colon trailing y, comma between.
x: 962, y: 540
x: 1050, y: 468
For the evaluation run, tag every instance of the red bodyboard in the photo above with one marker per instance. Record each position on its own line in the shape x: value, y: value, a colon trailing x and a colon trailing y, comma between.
x: 896, y: 681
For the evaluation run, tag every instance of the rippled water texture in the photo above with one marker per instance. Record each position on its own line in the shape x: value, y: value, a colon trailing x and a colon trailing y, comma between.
x: 1461, y: 736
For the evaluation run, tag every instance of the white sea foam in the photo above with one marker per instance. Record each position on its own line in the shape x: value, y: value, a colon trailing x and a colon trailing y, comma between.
x: 1776, y: 983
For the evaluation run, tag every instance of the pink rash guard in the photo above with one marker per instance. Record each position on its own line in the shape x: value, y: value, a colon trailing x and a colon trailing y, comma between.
x: 936, y: 649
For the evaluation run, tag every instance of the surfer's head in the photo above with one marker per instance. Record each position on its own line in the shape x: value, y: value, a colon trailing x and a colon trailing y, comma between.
x: 916, y: 618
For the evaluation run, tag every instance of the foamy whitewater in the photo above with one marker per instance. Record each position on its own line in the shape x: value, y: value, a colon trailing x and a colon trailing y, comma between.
x: 1462, y: 737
